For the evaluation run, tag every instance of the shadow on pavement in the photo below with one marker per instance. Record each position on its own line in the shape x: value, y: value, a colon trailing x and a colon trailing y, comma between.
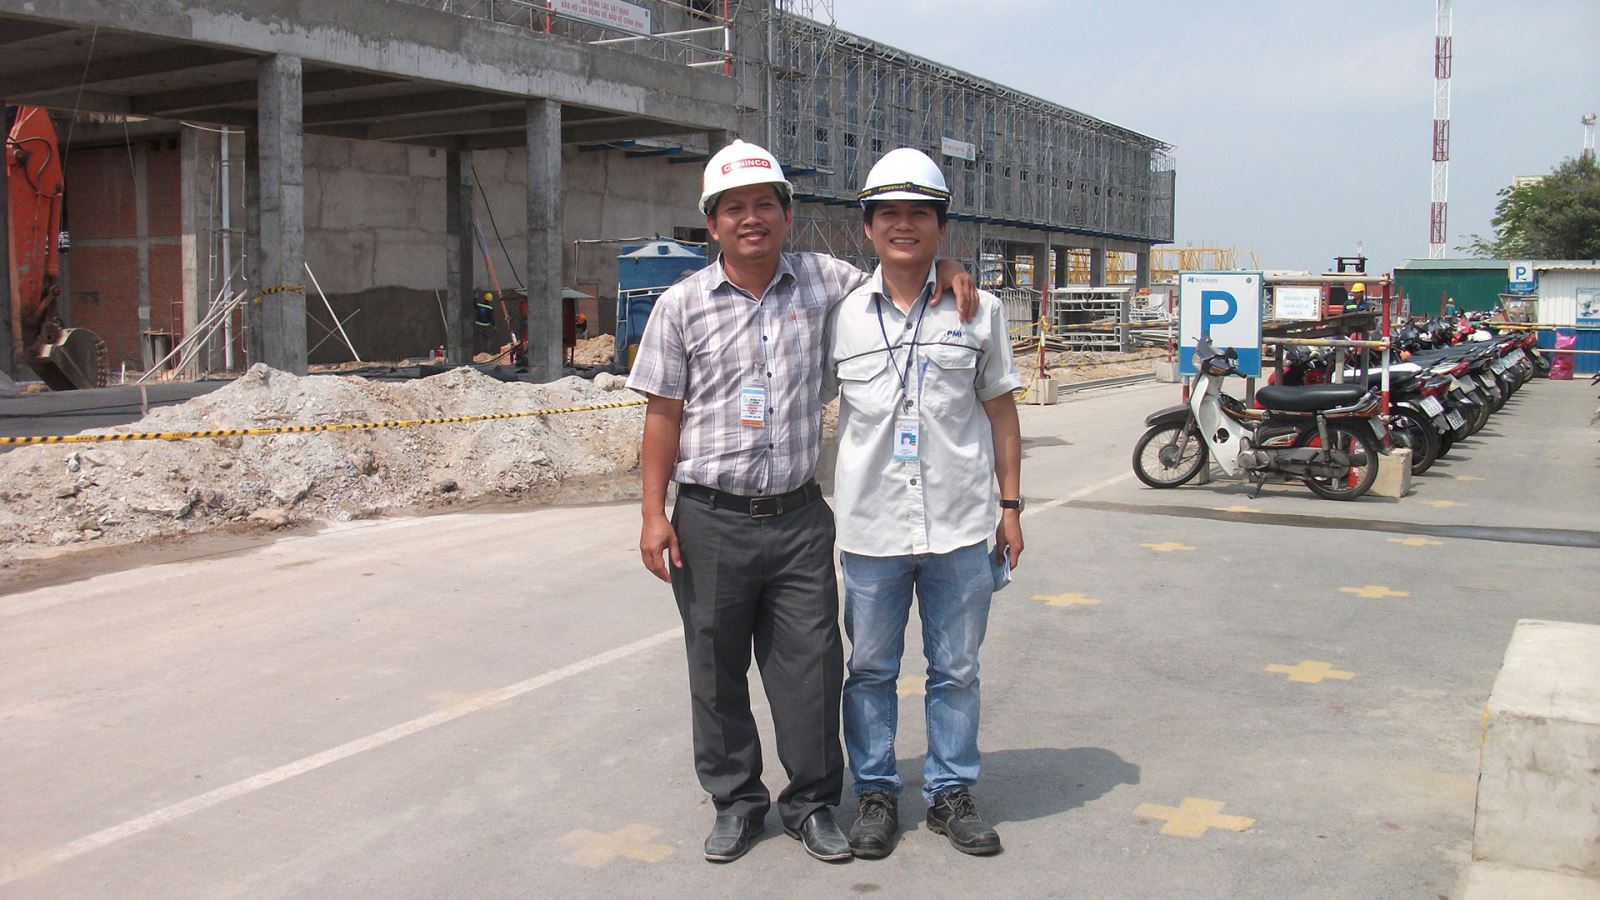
x: 1025, y: 784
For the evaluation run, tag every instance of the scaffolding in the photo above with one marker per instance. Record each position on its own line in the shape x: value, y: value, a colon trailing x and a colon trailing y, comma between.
x: 836, y: 102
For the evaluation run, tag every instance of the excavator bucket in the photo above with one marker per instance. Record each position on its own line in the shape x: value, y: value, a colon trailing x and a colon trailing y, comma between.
x: 65, y: 358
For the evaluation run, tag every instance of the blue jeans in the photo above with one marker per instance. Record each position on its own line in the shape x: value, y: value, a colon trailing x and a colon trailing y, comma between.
x: 953, y: 591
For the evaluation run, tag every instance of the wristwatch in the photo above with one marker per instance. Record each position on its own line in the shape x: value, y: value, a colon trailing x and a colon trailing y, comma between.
x: 1018, y: 504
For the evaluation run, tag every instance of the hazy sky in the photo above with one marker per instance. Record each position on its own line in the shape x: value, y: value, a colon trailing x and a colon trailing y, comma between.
x: 1299, y: 128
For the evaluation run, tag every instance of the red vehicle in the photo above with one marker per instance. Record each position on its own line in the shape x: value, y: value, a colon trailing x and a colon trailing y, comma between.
x: 65, y: 358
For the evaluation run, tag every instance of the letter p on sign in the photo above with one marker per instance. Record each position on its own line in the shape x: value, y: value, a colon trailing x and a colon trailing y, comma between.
x: 1211, y: 315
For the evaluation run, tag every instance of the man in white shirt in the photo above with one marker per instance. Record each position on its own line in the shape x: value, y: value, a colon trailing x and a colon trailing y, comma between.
x: 927, y: 425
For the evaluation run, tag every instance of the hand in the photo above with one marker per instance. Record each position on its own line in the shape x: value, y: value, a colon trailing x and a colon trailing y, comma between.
x: 1008, y: 537
x: 952, y: 276
x: 658, y: 537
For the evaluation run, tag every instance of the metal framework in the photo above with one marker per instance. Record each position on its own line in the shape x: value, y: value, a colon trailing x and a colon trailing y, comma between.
x: 836, y: 102
x: 1439, y: 207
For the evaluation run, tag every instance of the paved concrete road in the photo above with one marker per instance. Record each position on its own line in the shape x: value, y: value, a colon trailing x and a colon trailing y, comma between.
x: 1186, y: 692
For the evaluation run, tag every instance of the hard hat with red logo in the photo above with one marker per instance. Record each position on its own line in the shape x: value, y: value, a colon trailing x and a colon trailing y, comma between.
x: 905, y: 173
x: 737, y: 165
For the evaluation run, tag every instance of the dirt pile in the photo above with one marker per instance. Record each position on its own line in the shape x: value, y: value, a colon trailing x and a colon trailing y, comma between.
x: 595, y: 351
x: 51, y: 496
x: 1089, y: 365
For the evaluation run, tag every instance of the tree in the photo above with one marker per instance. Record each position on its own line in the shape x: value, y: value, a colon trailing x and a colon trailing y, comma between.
x: 1556, y: 217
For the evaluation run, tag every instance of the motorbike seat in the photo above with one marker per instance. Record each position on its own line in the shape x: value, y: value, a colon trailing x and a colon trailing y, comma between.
x: 1398, y: 381
x: 1310, y: 397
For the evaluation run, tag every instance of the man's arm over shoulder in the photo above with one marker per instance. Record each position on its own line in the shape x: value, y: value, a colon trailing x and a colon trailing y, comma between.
x: 838, y: 278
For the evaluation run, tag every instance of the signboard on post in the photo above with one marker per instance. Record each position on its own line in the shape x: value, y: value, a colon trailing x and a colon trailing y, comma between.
x: 1297, y: 303
x: 610, y: 13
x: 1520, y: 273
x: 958, y: 149
x: 1226, y: 307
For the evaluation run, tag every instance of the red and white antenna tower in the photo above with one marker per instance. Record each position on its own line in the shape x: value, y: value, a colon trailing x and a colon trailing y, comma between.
x: 1438, y: 210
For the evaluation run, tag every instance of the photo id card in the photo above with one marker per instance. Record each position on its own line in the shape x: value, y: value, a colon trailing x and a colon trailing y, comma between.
x: 907, y: 433
x: 753, y: 406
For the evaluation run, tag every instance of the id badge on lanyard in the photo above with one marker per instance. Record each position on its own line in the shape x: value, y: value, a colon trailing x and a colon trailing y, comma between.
x: 753, y: 403
x: 907, y: 439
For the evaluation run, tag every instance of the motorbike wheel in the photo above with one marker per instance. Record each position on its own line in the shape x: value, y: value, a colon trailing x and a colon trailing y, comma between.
x: 1447, y: 440
x: 1503, y: 388
x: 1480, y: 416
x: 1416, y: 435
x: 1169, y: 455
x: 1362, y: 449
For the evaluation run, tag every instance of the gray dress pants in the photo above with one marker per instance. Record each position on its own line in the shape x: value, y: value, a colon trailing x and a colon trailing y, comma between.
x: 765, y: 584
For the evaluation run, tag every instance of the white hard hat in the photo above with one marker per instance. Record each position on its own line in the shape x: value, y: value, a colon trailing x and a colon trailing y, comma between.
x: 905, y: 174
x: 737, y: 165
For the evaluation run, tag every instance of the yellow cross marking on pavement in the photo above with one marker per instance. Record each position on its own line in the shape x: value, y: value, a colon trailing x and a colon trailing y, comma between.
x: 1168, y: 547
x: 1442, y: 504
x: 594, y: 849
x: 1066, y: 600
x: 1310, y: 671
x: 1192, y: 817
x: 1416, y: 542
x: 1373, y: 592
x: 1236, y: 508
x: 1466, y: 477
x: 911, y: 686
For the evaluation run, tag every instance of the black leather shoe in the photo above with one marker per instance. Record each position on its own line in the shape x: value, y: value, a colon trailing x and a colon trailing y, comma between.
x: 877, y: 825
x: 731, y: 838
x: 954, y: 814
x: 822, y: 838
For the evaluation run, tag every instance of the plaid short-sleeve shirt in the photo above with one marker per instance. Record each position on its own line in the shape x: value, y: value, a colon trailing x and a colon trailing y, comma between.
x: 708, y: 340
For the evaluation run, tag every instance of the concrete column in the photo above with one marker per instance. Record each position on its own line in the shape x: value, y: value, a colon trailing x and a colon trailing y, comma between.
x: 1097, y: 267
x: 544, y: 240
x: 459, y: 257
x: 197, y: 154
x: 1062, y: 273
x: 1141, y: 269
x: 8, y: 328
x: 278, y: 319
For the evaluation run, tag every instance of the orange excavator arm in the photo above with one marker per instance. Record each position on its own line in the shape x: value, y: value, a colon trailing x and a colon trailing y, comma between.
x: 65, y: 358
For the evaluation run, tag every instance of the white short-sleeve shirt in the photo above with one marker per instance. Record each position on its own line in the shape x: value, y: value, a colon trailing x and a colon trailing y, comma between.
x: 945, y: 499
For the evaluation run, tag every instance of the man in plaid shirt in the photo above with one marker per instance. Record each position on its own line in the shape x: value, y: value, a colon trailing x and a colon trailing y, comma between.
x: 731, y: 363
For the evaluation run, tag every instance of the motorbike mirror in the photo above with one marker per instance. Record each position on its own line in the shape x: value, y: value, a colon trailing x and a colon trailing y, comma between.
x: 1232, y: 353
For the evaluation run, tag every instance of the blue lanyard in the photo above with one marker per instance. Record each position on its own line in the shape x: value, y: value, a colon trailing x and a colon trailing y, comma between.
x: 901, y: 374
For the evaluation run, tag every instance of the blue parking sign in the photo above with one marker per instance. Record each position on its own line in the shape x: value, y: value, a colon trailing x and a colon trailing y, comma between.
x: 1225, y: 307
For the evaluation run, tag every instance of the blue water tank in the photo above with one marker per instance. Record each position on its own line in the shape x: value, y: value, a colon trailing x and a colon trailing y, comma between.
x: 644, y: 272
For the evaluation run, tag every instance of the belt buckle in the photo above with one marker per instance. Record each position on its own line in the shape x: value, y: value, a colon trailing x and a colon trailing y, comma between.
x: 766, y: 507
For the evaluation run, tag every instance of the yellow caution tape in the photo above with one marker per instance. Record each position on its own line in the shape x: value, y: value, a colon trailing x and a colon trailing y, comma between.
x: 301, y: 429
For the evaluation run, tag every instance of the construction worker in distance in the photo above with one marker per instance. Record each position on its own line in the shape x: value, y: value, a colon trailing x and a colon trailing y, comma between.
x: 483, y: 323
x: 927, y: 427
x: 731, y: 362
x: 580, y: 326
x: 1356, y: 299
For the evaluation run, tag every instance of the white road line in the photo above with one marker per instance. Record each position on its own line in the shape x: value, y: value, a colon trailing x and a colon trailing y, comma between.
x: 1080, y: 493
x: 223, y: 794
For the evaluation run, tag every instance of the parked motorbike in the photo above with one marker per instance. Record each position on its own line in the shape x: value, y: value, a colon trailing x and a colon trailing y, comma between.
x: 1320, y: 434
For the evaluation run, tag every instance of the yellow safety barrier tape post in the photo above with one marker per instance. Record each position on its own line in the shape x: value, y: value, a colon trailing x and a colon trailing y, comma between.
x: 302, y: 429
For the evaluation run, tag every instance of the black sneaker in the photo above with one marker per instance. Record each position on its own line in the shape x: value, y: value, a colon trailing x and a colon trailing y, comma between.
x: 877, y: 825
x: 954, y: 814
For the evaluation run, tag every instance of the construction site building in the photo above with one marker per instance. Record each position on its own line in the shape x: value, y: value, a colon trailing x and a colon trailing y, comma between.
x: 414, y: 152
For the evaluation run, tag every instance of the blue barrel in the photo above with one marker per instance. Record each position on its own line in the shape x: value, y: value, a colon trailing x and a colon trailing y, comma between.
x: 644, y: 272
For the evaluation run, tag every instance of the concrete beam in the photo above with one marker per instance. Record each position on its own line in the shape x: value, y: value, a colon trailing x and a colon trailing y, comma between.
x: 279, y: 318
x: 407, y: 106
x: 103, y: 71
x: 460, y: 256
x: 544, y: 239
x: 20, y: 32
x: 188, y: 100
x: 418, y: 43
x: 8, y: 327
